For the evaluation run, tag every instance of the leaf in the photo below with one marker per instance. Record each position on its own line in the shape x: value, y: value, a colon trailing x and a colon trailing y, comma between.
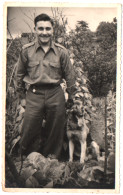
x: 77, y: 84
x: 31, y: 182
x: 49, y: 185
x: 79, y: 69
x: 14, y: 142
x: 93, y: 109
x: 28, y: 172
x: 109, y: 108
x: 94, y: 173
x: 41, y: 178
x: 20, y: 127
x: 109, y: 123
x: 78, y: 89
x: 84, y: 174
x: 67, y: 171
x: 19, y: 106
x: 88, y: 110
x: 85, y: 89
x: 87, y: 95
x: 72, y: 61
x: 88, y: 102
x: 84, y: 81
x: 79, y: 80
x: 99, y: 168
x: 79, y: 94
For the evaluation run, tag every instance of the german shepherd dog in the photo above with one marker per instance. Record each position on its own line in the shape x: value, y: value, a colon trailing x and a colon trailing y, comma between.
x: 77, y: 130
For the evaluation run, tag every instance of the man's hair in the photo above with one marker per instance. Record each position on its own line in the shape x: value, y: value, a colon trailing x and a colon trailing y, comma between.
x: 42, y: 17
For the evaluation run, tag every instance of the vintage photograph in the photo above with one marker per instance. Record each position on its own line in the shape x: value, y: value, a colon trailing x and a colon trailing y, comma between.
x: 61, y: 97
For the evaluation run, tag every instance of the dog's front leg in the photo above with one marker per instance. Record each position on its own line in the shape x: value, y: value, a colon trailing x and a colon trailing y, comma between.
x: 83, y: 151
x: 71, y: 150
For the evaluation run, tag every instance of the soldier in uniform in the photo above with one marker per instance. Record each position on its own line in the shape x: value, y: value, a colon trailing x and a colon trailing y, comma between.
x: 43, y: 64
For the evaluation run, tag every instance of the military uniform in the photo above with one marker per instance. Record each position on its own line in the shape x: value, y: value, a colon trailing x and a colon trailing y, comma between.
x: 44, y: 73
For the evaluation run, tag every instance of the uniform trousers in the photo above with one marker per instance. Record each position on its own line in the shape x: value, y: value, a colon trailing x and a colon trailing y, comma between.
x: 49, y: 102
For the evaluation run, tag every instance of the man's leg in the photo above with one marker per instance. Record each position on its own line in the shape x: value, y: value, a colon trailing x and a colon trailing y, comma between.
x: 55, y: 121
x: 32, y: 119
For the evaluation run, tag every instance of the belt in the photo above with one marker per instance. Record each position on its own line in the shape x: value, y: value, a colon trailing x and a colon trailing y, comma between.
x: 35, y: 88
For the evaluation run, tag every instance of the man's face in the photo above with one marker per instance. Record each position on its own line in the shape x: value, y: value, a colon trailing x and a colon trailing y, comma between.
x: 44, y: 31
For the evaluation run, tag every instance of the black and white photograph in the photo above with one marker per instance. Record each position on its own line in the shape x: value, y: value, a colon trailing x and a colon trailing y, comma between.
x: 62, y: 88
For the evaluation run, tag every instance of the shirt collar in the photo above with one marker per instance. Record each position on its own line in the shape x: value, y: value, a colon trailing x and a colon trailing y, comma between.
x: 52, y: 46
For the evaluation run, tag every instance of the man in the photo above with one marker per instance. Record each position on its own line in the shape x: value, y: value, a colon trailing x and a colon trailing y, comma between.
x: 43, y: 64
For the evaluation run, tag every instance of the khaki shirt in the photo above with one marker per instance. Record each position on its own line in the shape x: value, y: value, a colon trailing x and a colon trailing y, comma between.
x: 35, y: 67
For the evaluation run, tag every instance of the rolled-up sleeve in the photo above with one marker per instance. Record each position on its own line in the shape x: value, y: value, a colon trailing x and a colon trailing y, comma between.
x: 21, y: 72
x: 68, y: 72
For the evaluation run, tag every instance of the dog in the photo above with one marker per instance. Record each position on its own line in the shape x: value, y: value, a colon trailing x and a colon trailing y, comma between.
x: 77, y: 130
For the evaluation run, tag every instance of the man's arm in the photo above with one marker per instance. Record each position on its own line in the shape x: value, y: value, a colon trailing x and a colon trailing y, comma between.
x: 68, y: 73
x: 20, y: 73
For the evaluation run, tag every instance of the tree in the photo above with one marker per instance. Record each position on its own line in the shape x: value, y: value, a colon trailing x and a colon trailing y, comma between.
x: 105, y: 70
x: 97, y: 51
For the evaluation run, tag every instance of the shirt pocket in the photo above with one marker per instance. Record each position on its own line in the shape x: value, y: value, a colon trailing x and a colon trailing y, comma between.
x: 33, y: 69
x: 55, y: 70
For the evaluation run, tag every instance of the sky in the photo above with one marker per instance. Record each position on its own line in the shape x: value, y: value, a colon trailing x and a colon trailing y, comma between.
x: 20, y: 19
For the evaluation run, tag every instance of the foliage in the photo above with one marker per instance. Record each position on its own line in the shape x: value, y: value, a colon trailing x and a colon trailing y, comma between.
x: 11, y: 97
x: 41, y: 172
x: 111, y: 120
x: 82, y: 93
x: 97, y: 51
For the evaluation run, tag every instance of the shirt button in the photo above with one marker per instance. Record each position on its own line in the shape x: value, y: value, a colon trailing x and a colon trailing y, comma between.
x: 34, y: 90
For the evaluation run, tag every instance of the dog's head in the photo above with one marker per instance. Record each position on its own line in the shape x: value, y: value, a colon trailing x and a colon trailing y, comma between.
x: 78, y: 108
x: 76, y: 114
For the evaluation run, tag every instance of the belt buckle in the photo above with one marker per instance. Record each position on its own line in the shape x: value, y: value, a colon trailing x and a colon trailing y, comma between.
x: 34, y: 90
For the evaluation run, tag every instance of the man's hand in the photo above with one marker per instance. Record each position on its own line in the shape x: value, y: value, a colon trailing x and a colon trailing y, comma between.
x: 22, y: 99
x: 23, y: 103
